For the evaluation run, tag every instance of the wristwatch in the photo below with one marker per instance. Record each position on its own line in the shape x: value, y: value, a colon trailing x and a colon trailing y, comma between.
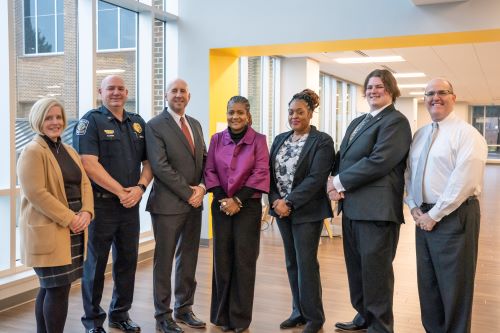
x: 142, y: 186
x: 289, y: 203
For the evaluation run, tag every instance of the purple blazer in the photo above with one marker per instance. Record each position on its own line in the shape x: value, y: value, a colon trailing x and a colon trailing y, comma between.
x: 233, y: 166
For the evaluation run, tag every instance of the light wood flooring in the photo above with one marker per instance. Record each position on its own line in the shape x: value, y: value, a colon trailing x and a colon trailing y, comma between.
x: 272, y: 296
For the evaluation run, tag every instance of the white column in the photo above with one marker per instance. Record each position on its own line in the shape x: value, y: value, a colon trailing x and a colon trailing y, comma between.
x: 87, y: 92
x: 144, y: 66
x: 297, y: 74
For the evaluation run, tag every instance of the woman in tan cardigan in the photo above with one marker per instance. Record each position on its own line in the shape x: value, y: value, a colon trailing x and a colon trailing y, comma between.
x: 56, y: 208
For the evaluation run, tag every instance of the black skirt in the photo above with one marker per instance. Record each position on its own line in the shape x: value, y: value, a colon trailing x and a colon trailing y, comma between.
x: 58, y: 276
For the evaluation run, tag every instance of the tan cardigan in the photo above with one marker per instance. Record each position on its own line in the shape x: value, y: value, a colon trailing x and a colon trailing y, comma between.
x: 45, y: 216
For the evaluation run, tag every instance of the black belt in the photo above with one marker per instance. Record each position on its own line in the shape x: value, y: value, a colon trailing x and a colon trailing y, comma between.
x: 101, y: 195
x: 425, y: 207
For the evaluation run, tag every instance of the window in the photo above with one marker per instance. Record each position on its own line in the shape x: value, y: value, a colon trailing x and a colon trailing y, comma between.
x: 116, y: 35
x: 116, y: 27
x: 43, y: 26
x: 259, y: 82
x: 486, y: 119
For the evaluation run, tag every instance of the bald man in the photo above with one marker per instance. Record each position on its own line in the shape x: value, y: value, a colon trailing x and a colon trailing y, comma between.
x: 444, y: 177
x: 111, y: 144
x: 177, y: 154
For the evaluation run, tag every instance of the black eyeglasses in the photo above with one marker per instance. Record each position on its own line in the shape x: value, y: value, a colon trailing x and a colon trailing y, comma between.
x: 440, y: 93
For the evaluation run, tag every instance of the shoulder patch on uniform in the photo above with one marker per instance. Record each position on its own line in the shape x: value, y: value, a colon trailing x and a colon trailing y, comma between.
x: 82, y: 126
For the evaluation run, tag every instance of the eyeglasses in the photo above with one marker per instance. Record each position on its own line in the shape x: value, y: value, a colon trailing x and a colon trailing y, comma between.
x: 440, y: 93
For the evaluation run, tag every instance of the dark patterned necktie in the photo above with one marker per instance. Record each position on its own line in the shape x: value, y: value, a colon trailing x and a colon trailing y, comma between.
x: 360, y: 126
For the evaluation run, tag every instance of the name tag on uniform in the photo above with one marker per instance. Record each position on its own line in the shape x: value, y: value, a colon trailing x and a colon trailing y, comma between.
x: 109, y: 133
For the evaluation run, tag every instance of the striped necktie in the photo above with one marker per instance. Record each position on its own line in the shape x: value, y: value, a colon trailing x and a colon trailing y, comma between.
x: 418, y: 183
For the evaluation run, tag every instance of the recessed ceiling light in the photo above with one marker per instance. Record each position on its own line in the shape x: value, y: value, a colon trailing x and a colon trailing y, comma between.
x: 417, y: 74
x: 109, y: 71
x: 368, y: 60
x: 413, y: 85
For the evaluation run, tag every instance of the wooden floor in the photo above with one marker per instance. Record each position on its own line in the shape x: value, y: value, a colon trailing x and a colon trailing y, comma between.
x: 272, y: 298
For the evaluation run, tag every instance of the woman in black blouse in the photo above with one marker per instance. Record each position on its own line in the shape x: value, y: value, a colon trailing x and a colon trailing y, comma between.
x: 301, y: 161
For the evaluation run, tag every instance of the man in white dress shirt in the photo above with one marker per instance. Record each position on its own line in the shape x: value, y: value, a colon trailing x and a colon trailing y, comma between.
x: 442, y: 185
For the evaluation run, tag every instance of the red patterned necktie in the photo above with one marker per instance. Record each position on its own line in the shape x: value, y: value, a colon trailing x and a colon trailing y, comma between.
x: 185, y: 130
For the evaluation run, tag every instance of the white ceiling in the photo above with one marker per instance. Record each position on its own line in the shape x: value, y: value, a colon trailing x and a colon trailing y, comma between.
x: 473, y: 69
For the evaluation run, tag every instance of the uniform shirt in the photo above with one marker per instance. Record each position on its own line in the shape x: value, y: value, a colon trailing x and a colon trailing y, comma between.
x: 119, y: 146
x: 454, y: 169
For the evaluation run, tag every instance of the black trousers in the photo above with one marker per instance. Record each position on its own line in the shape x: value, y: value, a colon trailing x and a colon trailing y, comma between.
x: 118, y: 227
x: 301, y: 243
x: 446, y: 267
x: 236, y: 249
x: 175, y: 235
x: 369, y: 250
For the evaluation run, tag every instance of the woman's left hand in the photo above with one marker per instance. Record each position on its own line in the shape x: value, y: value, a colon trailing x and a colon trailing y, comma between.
x: 229, y: 206
x: 281, y: 208
x: 85, y: 219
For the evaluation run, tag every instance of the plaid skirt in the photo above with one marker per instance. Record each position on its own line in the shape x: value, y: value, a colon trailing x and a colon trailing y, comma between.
x: 58, y: 276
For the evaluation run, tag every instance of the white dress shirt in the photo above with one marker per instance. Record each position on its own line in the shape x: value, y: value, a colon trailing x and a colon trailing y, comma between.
x: 336, y: 180
x: 454, y: 169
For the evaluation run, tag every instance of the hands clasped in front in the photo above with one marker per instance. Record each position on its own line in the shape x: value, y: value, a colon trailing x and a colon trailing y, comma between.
x: 333, y: 194
x: 80, y: 222
x: 422, y: 220
x: 229, y: 206
x: 196, y: 198
x: 130, y: 196
x: 281, y: 208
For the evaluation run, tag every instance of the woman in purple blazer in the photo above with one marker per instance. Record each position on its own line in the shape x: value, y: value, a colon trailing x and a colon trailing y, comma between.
x: 237, y: 173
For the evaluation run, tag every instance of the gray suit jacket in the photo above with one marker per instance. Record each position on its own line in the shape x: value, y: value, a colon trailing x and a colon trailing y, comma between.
x: 174, y: 166
x: 371, y: 167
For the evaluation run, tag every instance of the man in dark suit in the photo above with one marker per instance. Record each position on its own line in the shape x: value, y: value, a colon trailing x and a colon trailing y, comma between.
x: 369, y: 184
x: 177, y: 151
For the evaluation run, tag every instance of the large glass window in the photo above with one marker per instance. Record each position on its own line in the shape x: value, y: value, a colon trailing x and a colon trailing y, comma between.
x: 50, y: 28
x: 116, y: 36
x: 259, y: 82
x: 486, y: 119
x: 43, y: 26
x: 116, y: 27
x: 337, y: 106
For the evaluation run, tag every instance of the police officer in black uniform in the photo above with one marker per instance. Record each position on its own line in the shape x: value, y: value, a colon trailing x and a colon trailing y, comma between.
x: 112, y: 147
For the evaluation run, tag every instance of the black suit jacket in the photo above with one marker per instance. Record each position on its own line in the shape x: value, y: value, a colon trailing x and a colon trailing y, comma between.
x: 308, y: 195
x: 371, y: 167
x: 174, y: 166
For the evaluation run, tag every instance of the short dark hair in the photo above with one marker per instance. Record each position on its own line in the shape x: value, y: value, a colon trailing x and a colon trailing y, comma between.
x: 241, y: 100
x: 308, y: 96
x: 390, y: 83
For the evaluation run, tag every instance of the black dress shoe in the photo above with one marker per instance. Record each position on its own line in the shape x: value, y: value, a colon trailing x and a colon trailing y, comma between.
x: 350, y: 326
x: 240, y: 329
x: 291, y: 323
x: 168, y: 326
x: 190, y: 320
x: 96, y: 330
x: 125, y: 325
x: 226, y: 328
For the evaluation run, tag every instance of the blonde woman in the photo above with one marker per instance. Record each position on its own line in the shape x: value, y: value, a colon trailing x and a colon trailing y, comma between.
x: 56, y: 208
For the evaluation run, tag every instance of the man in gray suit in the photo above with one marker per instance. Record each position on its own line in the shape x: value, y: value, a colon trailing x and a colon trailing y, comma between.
x: 177, y: 155
x: 369, y: 182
